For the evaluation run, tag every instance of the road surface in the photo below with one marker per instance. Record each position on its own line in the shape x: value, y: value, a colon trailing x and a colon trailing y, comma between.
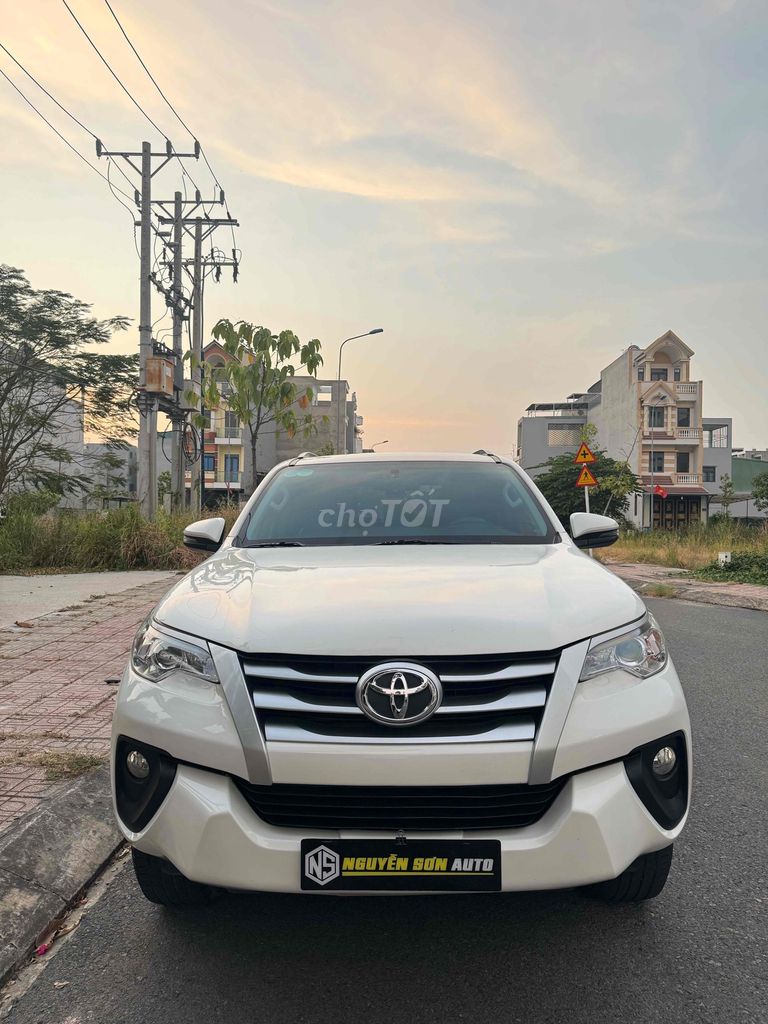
x: 699, y: 953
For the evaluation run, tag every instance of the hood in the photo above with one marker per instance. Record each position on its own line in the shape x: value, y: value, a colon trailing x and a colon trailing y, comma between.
x: 399, y: 601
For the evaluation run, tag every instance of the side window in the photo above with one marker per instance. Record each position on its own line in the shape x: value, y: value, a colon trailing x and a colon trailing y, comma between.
x: 683, y: 417
x: 710, y: 475
x: 656, y: 462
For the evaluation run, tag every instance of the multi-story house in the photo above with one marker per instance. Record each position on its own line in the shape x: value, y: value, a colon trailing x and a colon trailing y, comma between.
x: 226, y: 448
x: 648, y: 411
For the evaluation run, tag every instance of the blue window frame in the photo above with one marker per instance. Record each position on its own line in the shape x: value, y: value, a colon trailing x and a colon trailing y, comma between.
x: 209, y: 463
x: 231, y: 469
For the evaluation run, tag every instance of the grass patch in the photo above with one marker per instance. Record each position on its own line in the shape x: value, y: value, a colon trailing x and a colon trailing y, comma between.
x: 659, y: 590
x: 744, y: 567
x: 695, y: 548
x: 66, y: 541
x: 57, y: 764
x: 65, y: 764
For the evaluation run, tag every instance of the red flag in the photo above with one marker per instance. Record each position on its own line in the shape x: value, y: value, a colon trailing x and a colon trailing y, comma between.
x: 658, y: 489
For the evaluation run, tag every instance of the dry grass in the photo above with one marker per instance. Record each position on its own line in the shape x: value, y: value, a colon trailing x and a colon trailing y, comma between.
x: 57, y: 764
x: 694, y: 548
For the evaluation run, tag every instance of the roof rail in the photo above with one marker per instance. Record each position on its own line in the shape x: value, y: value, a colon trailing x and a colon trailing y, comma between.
x: 303, y: 455
x: 482, y: 451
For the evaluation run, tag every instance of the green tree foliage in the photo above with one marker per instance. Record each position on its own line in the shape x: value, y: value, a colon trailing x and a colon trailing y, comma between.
x: 255, y: 383
x: 616, y: 482
x: 727, y: 494
x: 760, y: 491
x: 53, y: 384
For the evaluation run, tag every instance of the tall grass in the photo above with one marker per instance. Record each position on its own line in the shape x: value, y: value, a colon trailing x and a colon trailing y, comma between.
x: 693, y: 548
x: 80, y: 542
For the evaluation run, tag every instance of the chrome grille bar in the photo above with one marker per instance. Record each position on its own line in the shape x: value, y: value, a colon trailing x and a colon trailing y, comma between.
x: 519, y: 698
x: 289, y: 732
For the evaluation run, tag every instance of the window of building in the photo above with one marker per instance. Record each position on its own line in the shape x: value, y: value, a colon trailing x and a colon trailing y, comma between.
x: 683, y: 462
x: 677, y: 373
x: 324, y: 393
x: 716, y: 437
x: 641, y: 373
x: 655, y: 416
x: 659, y: 373
x: 683, y: 417
x: 231, y: 469
x: 231, y: 425
x: 209, y: 463
x: 207, y: 418
x: 710, y: 475
x: 563, y: 435
x: 656, y: 462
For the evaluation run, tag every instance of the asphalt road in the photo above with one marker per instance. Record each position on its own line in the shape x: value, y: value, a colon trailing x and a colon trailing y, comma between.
x: 698, y: 953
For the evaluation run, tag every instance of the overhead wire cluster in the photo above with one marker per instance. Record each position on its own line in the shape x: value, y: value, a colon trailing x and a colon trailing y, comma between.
x: 159, y: 258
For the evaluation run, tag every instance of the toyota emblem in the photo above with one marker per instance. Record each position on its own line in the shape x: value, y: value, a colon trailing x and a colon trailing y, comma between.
x: 399, y: 693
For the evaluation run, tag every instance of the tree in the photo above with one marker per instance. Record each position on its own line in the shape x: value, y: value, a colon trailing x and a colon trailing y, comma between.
x: 615, y: 483
x: 259, y: 389
x: 760, y: 491
x: 53, y: 386
x: 727, y: 495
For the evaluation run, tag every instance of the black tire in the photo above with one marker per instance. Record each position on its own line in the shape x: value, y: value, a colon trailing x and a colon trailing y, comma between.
x: 642, y: 880
x: 161, y: 883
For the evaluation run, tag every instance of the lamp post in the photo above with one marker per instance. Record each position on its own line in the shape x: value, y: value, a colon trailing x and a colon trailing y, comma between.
x: 342, y: 403
x: 375, y: 446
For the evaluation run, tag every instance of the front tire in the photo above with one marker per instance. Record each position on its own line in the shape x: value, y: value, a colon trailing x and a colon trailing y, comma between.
x: 642, y: 880
x: 162, y: 883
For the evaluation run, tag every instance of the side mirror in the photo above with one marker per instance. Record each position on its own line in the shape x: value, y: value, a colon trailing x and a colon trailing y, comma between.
x: 589, y: 530
x: 205, y: 535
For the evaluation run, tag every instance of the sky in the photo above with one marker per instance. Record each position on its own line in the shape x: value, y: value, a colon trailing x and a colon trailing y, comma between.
x: 515, y: 191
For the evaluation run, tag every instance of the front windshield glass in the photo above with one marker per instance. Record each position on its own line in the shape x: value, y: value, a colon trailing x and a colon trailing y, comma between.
x: 383, y: 502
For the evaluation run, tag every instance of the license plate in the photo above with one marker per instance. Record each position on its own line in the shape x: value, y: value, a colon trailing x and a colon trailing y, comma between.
x: 448, y: 865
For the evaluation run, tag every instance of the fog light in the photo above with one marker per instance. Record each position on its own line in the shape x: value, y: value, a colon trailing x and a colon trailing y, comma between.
x: 138, y: 765
x: 664, y: 762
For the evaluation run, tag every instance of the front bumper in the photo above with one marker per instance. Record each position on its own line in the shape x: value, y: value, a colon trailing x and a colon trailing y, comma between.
x: 596, y: 827
x: 594, y: 830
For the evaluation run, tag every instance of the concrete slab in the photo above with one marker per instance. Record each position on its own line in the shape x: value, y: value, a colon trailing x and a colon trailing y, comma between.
x: 25, y: 597
x: 47, y: 858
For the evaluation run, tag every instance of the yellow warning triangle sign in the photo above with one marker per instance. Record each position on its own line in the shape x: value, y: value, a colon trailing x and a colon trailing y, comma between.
x: 586, y: 479
x: 584, y: 455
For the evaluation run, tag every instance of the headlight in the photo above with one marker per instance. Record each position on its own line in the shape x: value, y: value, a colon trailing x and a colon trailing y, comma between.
x: 155, y: 655
x: 641, y: 651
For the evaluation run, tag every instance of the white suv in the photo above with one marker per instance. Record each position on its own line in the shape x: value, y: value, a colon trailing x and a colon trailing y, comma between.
x: 399, y: 672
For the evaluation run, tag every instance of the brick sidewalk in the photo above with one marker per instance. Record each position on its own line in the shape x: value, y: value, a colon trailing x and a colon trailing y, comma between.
x: 55, y: 703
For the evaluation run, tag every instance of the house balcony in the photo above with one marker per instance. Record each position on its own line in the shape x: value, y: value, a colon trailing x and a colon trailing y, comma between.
x: 686, y: 479
x: 672, y: 435
x: 688, y: 390
x: 220, y: 480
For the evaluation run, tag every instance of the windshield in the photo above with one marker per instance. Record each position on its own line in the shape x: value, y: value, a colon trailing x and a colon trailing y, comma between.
x: 397, y: 503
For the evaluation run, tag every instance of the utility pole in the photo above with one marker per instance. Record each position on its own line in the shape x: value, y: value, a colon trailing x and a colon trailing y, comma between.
x: 147, y: 454
x: 149, y: 402
x: 198, y: 467
x: 177, y: 421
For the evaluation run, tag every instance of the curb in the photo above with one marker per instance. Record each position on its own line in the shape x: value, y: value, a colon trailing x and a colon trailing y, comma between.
x: 47, y: 858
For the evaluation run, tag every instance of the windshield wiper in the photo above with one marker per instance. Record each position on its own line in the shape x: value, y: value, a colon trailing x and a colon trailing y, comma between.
x: 416, y: 540
x: 277, y: 544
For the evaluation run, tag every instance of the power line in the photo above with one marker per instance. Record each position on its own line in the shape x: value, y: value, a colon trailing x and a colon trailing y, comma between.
x: 170, y: 106
x: 61, y: 107
x: 125, y: 89
x: 63, y: 139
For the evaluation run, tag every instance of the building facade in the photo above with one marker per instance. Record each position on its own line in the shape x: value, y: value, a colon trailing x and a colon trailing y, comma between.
x: 647, y: 407
x: 226, y: 444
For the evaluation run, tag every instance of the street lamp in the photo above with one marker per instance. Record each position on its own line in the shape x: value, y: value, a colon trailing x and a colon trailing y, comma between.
x: 376, y: 330
x: 375, y: 446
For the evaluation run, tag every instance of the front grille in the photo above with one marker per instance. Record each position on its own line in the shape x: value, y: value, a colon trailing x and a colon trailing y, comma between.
x: 487, y: 698
x: 425, y: 808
